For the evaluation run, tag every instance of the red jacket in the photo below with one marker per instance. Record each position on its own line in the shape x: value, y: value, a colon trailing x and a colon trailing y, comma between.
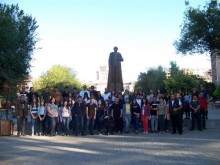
x: 146, y: 110
x: 203, y: 103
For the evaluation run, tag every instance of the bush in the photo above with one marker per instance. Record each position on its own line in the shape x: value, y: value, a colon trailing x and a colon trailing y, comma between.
x: 217, y: 92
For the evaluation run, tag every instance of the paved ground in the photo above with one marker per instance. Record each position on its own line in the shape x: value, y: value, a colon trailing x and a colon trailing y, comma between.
x: 190, y: 148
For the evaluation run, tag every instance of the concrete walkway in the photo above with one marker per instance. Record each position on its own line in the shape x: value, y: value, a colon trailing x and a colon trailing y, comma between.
x: 191, y: 148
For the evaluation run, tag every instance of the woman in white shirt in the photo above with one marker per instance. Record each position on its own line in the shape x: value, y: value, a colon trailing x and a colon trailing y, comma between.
x: 66, y: 118
x: 41, y: 114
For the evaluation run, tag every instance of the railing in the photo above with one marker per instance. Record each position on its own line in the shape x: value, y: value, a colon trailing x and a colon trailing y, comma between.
x: 6, y: 114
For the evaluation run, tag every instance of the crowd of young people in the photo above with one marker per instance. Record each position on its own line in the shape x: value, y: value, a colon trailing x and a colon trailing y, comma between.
x: 91, y: 112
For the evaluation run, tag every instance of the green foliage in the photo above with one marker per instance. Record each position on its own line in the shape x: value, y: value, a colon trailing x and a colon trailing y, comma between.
x: 217, y: 92
x: 17, y: 43
x: 180, y: 81
x: 200, y: 30
x: 58, y: 75
x: 153, y: 79
x: 210, y: 87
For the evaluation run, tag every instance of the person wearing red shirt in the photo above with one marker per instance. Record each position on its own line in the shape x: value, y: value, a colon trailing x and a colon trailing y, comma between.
x: 203, y: 108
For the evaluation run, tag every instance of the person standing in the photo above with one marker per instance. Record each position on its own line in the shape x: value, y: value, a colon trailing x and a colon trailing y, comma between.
x: 65, y: 117
x: 196, y: 115
x: 21, y: 111
x: 175, y: 107
x: 206, y: 96
x: 136, y: 112
x: 57, y: 95
x: 46, y: 95
x: 66, y: 94
x: 203, y: 107
x: 115, y: 81
x: 34, y: 117
x: 32, y: 94
x: 108, y: 118
x: 145, y: 114
x: 91, y: 109
x: 100, y: 116
x: 154, y: 113
x: 41, y: 115
x: 116, y: 109
x: 84, y: 91
x: 24, y: 92
x: 52, y: 110
x: 161, y: 109
x: 127, y: 114
x: 94, y: 92
x: 78, y: 114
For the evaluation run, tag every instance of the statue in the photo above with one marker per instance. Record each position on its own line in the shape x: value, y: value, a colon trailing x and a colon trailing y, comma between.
x: 115, y: 81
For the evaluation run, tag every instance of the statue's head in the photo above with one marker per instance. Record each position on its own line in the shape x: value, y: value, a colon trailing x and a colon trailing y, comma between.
x: 115, y: 49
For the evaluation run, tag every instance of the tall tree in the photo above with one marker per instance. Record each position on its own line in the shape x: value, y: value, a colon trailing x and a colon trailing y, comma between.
x: 18, y: 38
x: 153, y: 79
x: 200, y: 32
x: 180, y: 81
x: 58, y: 75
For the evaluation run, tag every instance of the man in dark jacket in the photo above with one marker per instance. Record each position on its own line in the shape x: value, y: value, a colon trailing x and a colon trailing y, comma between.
x: 175, y: 107
x: 78, y: 116
x: 21, y: 110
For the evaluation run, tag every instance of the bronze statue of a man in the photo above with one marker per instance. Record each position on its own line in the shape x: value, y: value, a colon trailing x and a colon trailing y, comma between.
x: 115, y: 81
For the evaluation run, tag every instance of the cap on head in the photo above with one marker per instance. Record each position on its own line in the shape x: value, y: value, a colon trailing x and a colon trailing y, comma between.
x: 115, y: 48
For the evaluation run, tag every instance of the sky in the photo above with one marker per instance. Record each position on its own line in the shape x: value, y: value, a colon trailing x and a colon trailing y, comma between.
x: 81, y: 34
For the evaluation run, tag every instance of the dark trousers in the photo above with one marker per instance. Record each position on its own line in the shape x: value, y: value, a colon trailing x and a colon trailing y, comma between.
x: 52, y: 125
x: 118, y: 124
x: 196, y: 116
x: 136, y: 123
x: 90, y: 125
x: 100, y: 124
x: 79, y: 124
x: 187, y: 110
x: 41, y: 125
x: 177, y: 123
x: 203, y: 116
x: 21, y: 125
x: 109, y: 125
x: 161, y: 122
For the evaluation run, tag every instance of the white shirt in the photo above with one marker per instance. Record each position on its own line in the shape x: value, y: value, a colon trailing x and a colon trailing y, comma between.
x: 83, y: 92
x: 139, y: 102
x: 106, y: 95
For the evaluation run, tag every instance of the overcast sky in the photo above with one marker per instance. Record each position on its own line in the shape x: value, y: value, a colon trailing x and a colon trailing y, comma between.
x: 82, y: 33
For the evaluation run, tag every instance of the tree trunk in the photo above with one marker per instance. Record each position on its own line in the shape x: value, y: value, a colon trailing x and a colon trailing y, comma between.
x: 215, y: 66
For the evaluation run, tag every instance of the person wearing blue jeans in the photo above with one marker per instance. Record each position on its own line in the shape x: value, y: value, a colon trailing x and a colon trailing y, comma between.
x: 52, y: 111
x: 34, y: 116
x: 127, y: 114
x: 153, y: 113
x: 65, y: 117
x: 78, y: 113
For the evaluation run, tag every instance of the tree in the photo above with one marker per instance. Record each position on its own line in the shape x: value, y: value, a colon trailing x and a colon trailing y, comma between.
x: 217, y: 92
x: 153, y: 79
x: 17, y: 42
x: 58, y: 75
x: 200, y: 32
x: 180, y: 81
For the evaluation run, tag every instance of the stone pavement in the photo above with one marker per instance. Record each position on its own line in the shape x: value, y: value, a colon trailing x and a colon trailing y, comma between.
x: 191, y: 148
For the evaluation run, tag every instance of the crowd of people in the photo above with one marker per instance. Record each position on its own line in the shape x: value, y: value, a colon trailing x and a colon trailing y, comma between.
x: 91, y: 112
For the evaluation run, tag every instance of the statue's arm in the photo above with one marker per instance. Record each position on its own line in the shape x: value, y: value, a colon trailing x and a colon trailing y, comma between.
x: 120, y: 57
x: 110, y: 60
